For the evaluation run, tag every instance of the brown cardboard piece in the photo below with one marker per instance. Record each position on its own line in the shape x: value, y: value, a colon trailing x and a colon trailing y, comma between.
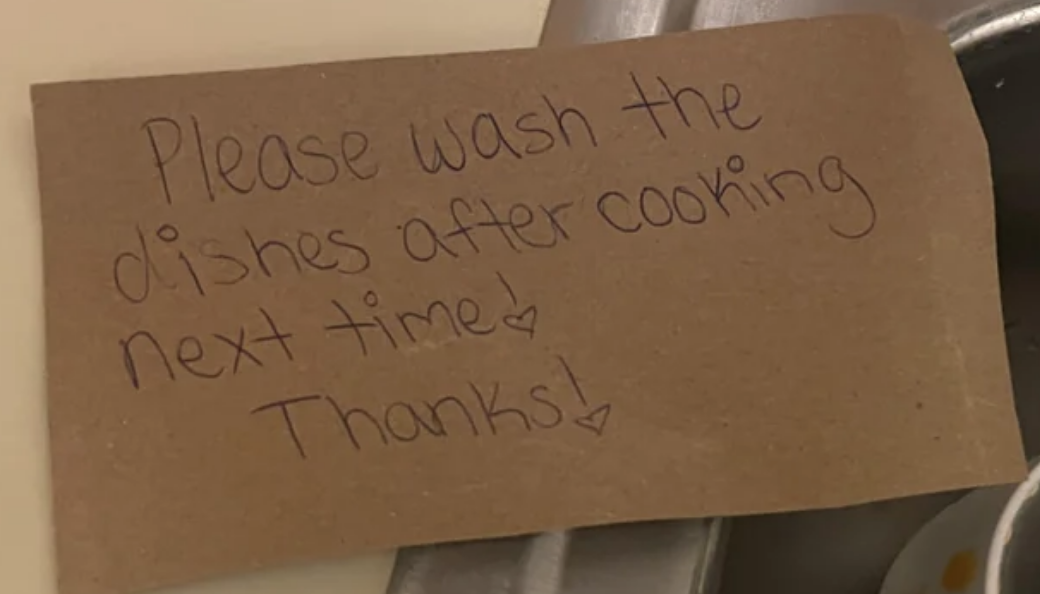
x: 276, y: 335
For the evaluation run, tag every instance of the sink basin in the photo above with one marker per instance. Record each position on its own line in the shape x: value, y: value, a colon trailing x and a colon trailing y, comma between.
x: 849, y: 550
x: 1000, y: 63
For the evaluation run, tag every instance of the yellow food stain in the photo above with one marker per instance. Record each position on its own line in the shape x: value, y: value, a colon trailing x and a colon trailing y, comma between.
x: 960, y: 571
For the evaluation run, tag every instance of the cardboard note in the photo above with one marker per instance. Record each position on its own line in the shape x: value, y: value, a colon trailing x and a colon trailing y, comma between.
x: 304, y: 312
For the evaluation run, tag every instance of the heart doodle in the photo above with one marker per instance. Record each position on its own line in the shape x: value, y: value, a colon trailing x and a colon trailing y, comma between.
x: 524, y: 321
x: 595, y: 420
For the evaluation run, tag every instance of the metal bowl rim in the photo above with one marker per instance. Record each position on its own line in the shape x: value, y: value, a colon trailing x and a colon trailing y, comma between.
x: 1025, y: 494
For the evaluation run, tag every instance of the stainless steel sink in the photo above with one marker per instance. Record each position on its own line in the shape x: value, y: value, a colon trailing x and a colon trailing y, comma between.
x: 848, y: 551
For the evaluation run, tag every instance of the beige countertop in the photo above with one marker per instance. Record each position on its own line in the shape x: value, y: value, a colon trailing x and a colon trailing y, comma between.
x: 51, y: 40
